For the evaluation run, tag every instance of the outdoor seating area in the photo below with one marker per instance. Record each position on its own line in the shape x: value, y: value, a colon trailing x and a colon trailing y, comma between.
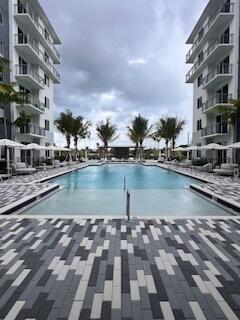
x: 16, y: 166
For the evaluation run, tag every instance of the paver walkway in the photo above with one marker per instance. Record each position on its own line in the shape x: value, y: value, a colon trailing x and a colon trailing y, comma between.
x: 113, y: 269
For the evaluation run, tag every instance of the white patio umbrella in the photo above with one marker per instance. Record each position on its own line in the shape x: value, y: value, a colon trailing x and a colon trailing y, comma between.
x: 234, y: 146
x: 179, y: 149
x: 213, y: 146
x: 9, y: 144
x: 32, y: 147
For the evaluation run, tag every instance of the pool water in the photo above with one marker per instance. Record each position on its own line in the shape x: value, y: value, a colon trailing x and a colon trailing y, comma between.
x: 99, y: 190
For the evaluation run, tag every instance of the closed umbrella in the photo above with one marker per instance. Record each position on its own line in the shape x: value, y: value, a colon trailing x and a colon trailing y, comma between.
x: 7, y: 143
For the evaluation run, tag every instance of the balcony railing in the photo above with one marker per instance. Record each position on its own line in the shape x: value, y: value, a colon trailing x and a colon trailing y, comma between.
x: 222, y: 69
x: 33, y: 101
x: 26, y: 39
x: 226, y: 8
x: 223, y: 39
x: 31, y: 129
x: 219, y: 99
x: 26, y: 9
x: 27, y: 69
x: 218, y: 128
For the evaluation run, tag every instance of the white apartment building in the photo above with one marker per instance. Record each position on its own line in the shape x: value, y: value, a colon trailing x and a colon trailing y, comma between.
x: 28, y: 40
x: 214, y: 54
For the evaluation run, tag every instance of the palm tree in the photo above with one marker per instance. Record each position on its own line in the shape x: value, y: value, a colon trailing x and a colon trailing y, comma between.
x: 164, y: 130
x: 8, y: 93
x: 139, y: 131
x: 231, y: 114
x: 157, y: 138
x: 80, y: 130
x: 177, y: 127
x: 23, y: 120
x: 106, y: 132
x: 64, y: 125
x: 169, y: 129
x: 132, y: 134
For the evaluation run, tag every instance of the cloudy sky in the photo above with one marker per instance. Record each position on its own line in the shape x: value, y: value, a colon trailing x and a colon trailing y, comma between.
x: 121, y: 58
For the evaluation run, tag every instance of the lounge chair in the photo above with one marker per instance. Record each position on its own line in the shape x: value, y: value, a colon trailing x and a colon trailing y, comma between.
x: 185, y: 164
x: 206, y: 168
x: 21, y: 168
x: 226, y: 169
x: 56, y: 164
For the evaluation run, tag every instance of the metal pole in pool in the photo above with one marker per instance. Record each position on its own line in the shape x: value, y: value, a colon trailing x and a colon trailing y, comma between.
x: 124, y: 183
x: 128, y: 206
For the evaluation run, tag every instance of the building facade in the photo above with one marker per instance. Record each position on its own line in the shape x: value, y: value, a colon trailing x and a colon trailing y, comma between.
x: 28, y: 42
x: 214, y: 54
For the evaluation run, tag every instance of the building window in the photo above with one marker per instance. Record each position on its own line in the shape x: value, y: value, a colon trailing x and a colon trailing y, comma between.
x: 1, y: 16
x: 199, y: 103
x: 200, y: 57
x: 46, y: 33
x: 46, y: 103
x: 200, y: 34
x: 1, y: 48
x: 199, y: 154
x: 200, y: 80
x: 46, y: 80
x: 47, y: 125
x: 199, y: 125
x: 46, y: 57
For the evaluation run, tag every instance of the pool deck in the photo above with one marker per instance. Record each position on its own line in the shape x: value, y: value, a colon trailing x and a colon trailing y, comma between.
x: 73, y: 268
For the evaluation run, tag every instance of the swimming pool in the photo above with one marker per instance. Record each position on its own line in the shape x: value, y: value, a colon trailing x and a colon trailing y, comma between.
x: 101, y: 190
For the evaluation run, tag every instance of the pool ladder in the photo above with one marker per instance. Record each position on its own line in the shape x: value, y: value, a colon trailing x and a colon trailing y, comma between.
x: 128, y: 197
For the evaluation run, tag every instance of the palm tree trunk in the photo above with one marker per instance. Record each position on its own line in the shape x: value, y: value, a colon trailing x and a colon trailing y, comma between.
x: 166, y: 151
x: 106, y: 151
x: 68, y: 140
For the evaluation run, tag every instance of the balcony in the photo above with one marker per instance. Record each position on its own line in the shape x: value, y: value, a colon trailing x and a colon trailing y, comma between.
x: 218, y: 48
x: 32, y: 130
x: 221, y: 74
x: 32, y: 105
x: 218, y: 20
x: 212, y: 105
x: 28, y: 75
x: 27, y: 18
x: 29, y: 49
x: 215, y: 130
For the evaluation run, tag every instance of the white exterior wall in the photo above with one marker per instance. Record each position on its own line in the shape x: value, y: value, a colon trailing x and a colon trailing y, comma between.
x: 209, y: 119
x: 37, y: 119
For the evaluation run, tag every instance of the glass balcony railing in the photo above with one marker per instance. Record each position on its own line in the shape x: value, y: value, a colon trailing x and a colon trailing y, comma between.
x: 226, y: 8
x: 27, y: 69
x: 218, y: 128
x: 33, y: 101
x: 222, y: 69
x: 26, y: 39
x: 31, y: 129
x: 223, y: 39
x: 219, y: 99
x: 27, y: 10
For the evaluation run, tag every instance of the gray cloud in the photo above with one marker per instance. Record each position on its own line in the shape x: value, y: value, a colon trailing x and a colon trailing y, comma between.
x: 124, y: 57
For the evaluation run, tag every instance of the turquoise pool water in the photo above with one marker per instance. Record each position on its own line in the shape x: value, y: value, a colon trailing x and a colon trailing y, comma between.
x: 99, y: 190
